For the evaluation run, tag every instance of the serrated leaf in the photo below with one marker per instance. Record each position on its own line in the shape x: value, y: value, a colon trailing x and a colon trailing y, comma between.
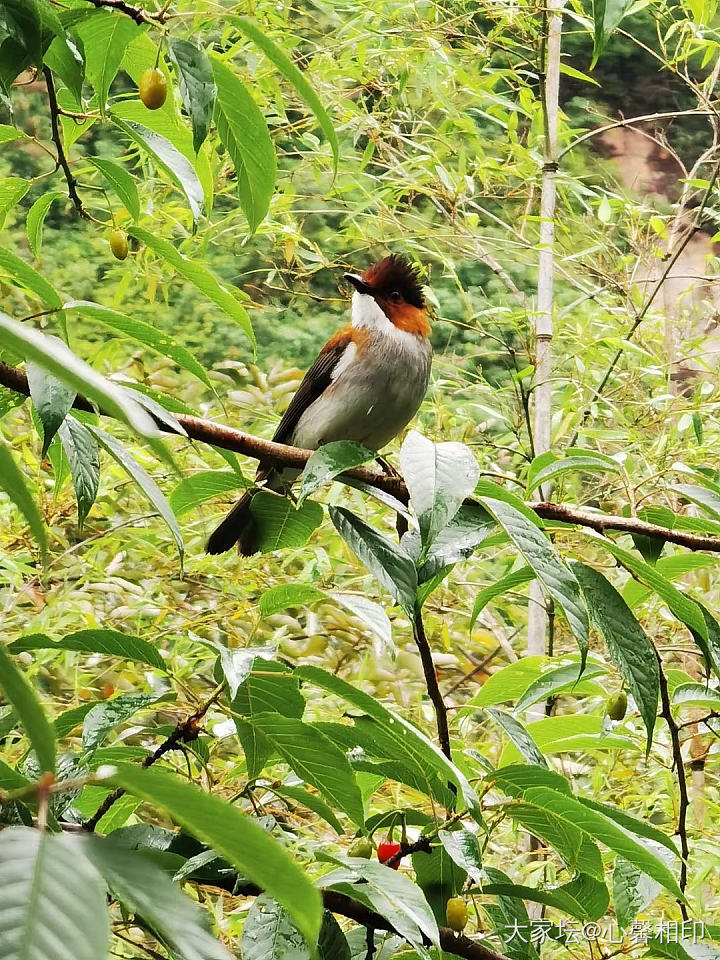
x: 199, y: 487
x: 555, y: 577
x: 197, y: 86
x: 235, y: 837
x: 13, y: 483
x: 144, y: 481
x: 464, y: 849
x: 49, y: 895
x: 291, y: 73
x: 587, y: 464
x: 522, y: 739
x: 279, y: 524
x: 439, y: 476
x: 110, y: 643
x: 566, y: 678
x: 330, y: 460
x: 36, y: 219
x: 121, y: 182
x: 105, y: 37
x: 696, y: 695
x: 237, y: 664
x: 104, y: 717
x: 83, y: 456
x: 167, y: 156
x: 242, y: 128
x: 629, y: 646
x: 269, y: 933
x: 65, y: 59
x: 633, y: 891
x: 145, y: 890
x: 286, y: 595
x: 142, y: 333
x: 391, y: 566
x: 199, y: 276
x: 316, y: 759
x: 12, y: 190
x: 19, y: 692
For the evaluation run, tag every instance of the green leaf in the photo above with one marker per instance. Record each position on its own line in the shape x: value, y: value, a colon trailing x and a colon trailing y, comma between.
x: 84, y: 459
x: 56, y: 358
x: 600, y: 827
x: 294, y: 76
x: 552, y: 573
x: 565, y: 678
x: 463, y: 847
x: 470, y: 527
x: 121, y: 182
x: 106, y: 716
x: 145, y: 890
x: 439, y: 476
x: 234, y: 836
x: 202, y: 486
x: 607, y: 14
x: 19, y: 692
x: 166, y: 155
x: 237, y: 664
x: 199, y: 276
x: 52, y: 901
x: 391, y: 566
x: 272, y: 689
x: 12, y: 190
x: 391, y: 893
x: 629, y: 646
x: 9, y: 133
x: 633, y: 891
x: 286, y: 595
x: 23, y: 275
x: 141, y: 333
x: 51, y: 398
x: 111, y: 643
x: 242, y: 128
x: 13, y: 483
x: 315, y: 759
x: 143, y: 479
x: 312, y: 801
x: 517, y: 578
x: 20, y: 20
x: 329, y: 461
x: 64, y: 59
x: 105, y: 37
x: 197, y: 86
x: 517, y: 778
x: 371, y: 614
x: 685, y: 609
x: 509, y: 682
x: 407, y: 737
x: 696, y: 695
x: 585, y: 461
x: 332, y: 944
x: 36, y: 219
x: 279, y: 524
x: 524, y: 742
x: 269, y: 933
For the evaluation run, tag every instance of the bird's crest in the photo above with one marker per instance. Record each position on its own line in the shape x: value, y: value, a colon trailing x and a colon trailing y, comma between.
x: 396, y: 273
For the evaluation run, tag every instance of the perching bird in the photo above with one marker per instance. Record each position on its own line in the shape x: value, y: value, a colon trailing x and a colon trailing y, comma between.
x: 366, y: 384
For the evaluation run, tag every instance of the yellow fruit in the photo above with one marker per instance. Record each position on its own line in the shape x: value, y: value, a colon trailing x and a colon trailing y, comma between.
x: 361, y: 847
x: 153, y: 88
x: 119, y: 244
x: 617, y: 705
x: 456, y: 914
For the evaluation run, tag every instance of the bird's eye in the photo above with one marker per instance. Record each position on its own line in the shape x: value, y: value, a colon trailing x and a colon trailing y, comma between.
x: 396, y: 295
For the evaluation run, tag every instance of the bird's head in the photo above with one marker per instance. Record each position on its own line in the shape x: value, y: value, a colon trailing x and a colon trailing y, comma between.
x: 389, y: 292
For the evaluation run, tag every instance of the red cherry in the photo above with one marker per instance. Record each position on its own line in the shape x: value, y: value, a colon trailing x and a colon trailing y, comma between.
x: 387, y: 850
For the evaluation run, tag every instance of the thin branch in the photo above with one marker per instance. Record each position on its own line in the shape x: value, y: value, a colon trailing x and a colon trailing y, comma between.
x: 431, y: 682
x: 185, y: 732
x: 135, y: 13
x: 227, y: 438
x: 62, y: 160
x: 682, y: 782
x: 598, y: 131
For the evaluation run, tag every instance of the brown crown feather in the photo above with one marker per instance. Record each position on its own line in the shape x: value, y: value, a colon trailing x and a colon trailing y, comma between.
x: 396, y: 273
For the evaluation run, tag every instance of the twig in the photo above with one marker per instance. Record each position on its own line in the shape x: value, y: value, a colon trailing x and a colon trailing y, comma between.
x: 431, y: 682
x: 681, y: 829
x: 135, y: 13
x: 185, y: 732
x: 227, y: 438
x: 62, y: 160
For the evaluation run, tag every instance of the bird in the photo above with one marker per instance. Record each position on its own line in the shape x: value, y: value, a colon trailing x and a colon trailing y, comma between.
x: 366, y: 384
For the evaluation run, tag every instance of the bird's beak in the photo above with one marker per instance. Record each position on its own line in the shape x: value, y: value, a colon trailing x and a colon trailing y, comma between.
x: 358, y: 283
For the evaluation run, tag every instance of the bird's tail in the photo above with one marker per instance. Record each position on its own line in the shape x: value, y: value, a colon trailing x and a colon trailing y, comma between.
x: 237, y: 527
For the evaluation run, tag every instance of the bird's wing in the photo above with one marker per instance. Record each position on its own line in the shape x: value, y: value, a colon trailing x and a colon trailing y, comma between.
x: 315, y: 382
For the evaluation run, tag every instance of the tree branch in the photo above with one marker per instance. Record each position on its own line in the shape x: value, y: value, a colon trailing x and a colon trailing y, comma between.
x: 62, y: 160
x: 135, y: 13
x: 227, y: 438
x: 431, y: 682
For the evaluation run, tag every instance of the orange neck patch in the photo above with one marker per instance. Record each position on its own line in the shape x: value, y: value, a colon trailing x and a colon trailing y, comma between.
x: 408, y: 318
